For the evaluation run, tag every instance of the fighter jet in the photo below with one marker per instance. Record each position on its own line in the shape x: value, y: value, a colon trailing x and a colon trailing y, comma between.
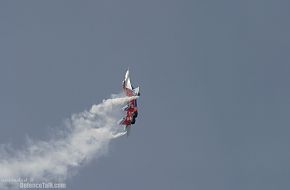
x: 131, y: 108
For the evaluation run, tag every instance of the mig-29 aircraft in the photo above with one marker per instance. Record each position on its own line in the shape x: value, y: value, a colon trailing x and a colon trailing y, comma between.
x: 131, y: 107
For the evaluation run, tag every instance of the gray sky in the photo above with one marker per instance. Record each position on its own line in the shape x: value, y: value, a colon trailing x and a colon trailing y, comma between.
x: 214, y: 79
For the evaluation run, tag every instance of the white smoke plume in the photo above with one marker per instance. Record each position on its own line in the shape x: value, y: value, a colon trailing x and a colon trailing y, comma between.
x: 86, y: 136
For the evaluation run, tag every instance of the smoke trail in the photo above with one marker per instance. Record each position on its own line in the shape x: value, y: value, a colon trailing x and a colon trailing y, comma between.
x: 86, y: 136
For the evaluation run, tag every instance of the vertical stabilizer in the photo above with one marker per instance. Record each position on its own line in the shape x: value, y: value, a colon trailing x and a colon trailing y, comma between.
x: 127, y: 81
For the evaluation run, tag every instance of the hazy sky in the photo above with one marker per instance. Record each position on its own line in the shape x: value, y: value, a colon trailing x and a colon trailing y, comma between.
x: 214, y: 77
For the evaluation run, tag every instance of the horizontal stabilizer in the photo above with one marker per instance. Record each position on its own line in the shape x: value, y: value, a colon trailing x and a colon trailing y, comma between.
x: 136, y: 91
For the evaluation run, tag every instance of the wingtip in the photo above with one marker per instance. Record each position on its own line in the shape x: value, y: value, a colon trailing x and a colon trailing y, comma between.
x: 127, y: 74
